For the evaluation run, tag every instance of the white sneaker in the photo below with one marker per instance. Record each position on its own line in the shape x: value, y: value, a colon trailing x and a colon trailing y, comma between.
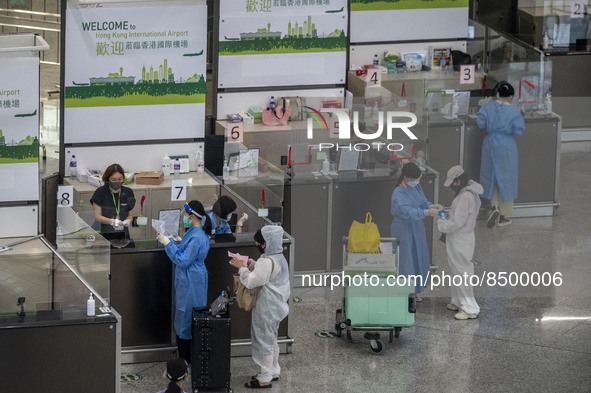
x: 463, y: 315
x: 453, y: 307
x: 504, y: 222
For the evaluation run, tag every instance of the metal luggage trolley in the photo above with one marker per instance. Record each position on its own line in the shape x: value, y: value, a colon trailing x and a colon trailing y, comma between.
x: 380, y: 306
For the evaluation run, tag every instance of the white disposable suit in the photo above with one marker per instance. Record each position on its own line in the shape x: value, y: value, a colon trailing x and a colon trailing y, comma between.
x: 271, y: 274
x: 460, y: 243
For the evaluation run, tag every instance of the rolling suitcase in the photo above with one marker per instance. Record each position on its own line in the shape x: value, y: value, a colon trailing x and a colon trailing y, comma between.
x: 211, y: 351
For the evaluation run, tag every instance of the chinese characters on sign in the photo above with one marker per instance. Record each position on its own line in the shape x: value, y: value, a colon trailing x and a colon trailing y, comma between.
x: 267, y: 5
x: 117, y: 48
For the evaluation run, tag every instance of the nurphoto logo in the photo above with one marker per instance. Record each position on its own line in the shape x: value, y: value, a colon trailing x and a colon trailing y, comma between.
x: 344, y: 125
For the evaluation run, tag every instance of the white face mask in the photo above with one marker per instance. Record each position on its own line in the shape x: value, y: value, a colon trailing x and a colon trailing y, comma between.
x: 229, y: 217
x: 413, y: 183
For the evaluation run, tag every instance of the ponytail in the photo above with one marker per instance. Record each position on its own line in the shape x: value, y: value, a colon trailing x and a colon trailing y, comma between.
x: 173, y: 387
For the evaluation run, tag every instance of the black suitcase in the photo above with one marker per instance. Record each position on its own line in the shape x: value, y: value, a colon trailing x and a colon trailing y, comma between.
x: 211, y: 351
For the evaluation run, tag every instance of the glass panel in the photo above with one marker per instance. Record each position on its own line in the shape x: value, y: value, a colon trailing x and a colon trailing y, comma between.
x: 85, y: 250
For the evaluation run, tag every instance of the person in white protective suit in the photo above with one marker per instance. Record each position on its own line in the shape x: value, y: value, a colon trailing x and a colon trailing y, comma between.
x: 271, y: 273
x: 460, y: 242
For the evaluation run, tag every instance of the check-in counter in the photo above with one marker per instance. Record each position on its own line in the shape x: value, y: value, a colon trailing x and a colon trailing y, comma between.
x: 142, y: 291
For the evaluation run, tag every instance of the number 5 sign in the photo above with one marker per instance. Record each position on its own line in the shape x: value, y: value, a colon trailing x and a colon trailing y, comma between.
x: 234, y: 132
x: 466, y: 74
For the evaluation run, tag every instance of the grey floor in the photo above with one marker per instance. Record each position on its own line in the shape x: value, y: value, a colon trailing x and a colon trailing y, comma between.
x: 524, y: 340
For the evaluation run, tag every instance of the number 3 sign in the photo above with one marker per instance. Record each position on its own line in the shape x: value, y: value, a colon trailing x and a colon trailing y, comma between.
x: 234, y: 132
x: 466, y: 74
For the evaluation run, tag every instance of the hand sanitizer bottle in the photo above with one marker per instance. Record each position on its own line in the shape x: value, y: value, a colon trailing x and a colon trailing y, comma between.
x: 166, y: 165
x: 200, y: 162
x: 90, y: 306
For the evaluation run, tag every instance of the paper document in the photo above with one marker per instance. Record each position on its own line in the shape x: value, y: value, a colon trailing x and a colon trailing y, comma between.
x: 158, y: 226
x: 243, y: 258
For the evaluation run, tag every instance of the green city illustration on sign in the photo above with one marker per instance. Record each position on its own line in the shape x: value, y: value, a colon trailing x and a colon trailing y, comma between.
x: 301, y: 37
x: 13, y: 152
x: 157, y: 86
x: 378, y: 5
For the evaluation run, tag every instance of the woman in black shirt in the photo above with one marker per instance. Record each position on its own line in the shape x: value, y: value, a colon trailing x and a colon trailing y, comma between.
x: 113, y: 202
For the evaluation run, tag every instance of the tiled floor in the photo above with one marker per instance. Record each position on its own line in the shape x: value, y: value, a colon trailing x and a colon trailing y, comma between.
x: 511, y: 347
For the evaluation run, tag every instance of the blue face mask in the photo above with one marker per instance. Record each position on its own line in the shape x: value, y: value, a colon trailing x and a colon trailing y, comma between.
x: 186, y: 222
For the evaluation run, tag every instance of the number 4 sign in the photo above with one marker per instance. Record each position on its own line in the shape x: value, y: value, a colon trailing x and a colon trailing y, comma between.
x: 373, y: 77
x: 466, y: 74
x: 234, y: 132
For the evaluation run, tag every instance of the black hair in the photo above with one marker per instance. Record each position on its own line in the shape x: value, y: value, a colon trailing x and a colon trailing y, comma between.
x: 173, y: 387
x: 112, y: 169
x: 197, y: 207
x: 504, y: 89
x: 258, y: 237
x: 410, y: 169
x: 224, y: 206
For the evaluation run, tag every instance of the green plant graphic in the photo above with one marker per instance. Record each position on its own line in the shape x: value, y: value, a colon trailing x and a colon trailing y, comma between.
x: 156, y: 86
x: 377, y: 5
x: 12, y: 152
x: 300, y: 36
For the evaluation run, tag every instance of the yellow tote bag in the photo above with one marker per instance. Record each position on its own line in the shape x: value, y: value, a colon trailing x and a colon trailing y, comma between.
x: 364, y: 237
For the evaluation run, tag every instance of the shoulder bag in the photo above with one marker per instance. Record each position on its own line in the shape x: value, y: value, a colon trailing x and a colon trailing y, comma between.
x: 246, y: 298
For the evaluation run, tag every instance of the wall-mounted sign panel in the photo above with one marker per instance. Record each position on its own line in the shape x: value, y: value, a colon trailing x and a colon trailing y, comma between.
x: 135, y: 71
x: 282, y: 43
x: 408, y: 20
x: 19, y: 129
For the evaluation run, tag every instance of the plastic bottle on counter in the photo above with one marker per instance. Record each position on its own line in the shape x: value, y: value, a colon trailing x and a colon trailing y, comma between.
x: 166, y: 165
x: 376, y: 60
x: 226, y: 170
x: 272, y: 103
x: 90, y: 306
x: 177, y: 168
x: 548, y: 103
x: 73, y: 167
x: 200, y: 162
x: 455, y: 109
x: 325, y: 166
x: 545, y: 41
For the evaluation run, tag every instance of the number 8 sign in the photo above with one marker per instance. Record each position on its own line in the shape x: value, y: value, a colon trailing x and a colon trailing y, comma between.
x: 234, y: 132
x: 65, y: 195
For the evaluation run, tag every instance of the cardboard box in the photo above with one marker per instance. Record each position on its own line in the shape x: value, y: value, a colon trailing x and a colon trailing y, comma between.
x: 150, y: 178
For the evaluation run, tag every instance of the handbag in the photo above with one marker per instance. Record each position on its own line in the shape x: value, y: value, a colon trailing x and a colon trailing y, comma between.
x: 278, y: 116
x: 364, y: 237
x: 296, y: 105
x: 246, y: 298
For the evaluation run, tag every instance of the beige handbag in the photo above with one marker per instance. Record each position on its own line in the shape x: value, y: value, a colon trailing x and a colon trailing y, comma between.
x: 246, y: 298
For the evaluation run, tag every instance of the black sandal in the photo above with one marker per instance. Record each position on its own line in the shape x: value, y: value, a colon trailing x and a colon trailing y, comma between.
x: 255, y: 384
x: 274, y: 379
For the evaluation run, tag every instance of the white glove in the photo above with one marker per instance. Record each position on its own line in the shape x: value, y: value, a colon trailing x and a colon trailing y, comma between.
x: 436, y: 206
x: 163, y: 239
x: 115, y: 222
x: 126, y: 223
x: 431, y: 212
x: 242, y: 220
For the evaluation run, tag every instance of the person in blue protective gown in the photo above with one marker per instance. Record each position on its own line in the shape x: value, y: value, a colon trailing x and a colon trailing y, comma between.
x: 221, y: 215
x: 410, y: 207
x: 190, y: 275
x: 270, y: 273
x: 499, y: 163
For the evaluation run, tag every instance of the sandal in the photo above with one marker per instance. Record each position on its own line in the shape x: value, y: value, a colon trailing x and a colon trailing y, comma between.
x: 255, y: 384
x: 274, y: 379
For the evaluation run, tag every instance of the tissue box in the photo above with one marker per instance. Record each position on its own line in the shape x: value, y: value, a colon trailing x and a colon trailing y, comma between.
x: 150, y: 178
x: 247, y: 118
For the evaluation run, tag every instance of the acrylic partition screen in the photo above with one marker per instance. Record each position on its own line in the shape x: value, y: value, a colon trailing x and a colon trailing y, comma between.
x: 282, y: 43
x: 380, y: 21
x: 134, y: 71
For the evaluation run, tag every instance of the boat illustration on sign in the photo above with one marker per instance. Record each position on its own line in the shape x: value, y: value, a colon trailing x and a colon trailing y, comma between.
x: 27, y: 114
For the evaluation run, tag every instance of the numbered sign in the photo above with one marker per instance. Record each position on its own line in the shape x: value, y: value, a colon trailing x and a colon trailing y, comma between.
x: 373, y: 78
x: 65, y: 196
x: 466, y: 74
x: 577, y: 9
x: 333, y: 126
x: 178, y: 192
x: 234, y: 132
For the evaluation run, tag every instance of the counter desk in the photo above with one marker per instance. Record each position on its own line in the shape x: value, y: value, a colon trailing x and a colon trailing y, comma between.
x: 142, y: 291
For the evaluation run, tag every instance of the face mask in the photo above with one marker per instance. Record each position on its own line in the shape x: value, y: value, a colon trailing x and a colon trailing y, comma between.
x: 186, y: 222
x: 115, y: 185
x: 260, y: 248
x: 456, y: 189
x: 229, y: 217
x: 413, y: 183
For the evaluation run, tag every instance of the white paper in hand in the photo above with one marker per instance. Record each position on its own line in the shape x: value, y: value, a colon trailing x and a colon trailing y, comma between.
x: 159, y: 226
